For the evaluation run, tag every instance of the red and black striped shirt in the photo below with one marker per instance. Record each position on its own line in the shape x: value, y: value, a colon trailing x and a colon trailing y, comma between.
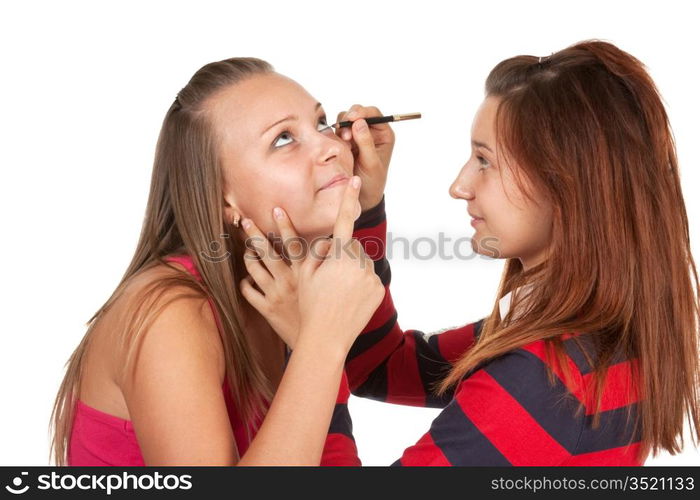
x: 505, y: 412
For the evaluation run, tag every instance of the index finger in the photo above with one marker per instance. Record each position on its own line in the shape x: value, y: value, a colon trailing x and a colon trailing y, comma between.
x: 357, y: 112
x: 292, y: 244
x: 259, y: 243
x: 367, y: 112
x: 347, y: 213
x: 342, y: 132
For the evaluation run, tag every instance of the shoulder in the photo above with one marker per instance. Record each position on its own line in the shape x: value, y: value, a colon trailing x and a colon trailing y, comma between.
x: 175, y: 325
x: 173, y: 380
x: 160, y: 286
x: 534, y: 372
x: 525, y: 396
x: 527, y: 379
x: 515, y: 395
x: 526, y: 366
x: 168, y: 294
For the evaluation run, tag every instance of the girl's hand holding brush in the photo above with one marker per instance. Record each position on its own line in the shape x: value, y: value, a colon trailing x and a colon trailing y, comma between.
x: 372, y: 146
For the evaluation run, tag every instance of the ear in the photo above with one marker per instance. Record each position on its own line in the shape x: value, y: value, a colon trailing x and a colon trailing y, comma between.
x: 231, y: 211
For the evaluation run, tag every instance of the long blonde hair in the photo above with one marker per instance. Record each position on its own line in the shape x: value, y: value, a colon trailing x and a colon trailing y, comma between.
x: 184, y: 214
x: 588, y: 128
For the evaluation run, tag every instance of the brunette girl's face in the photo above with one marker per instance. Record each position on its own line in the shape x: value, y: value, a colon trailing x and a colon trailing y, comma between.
x: 277, y: 150
x: 507, y: 223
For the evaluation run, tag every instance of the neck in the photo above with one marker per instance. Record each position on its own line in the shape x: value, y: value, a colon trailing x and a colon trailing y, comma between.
x: 532, y: 261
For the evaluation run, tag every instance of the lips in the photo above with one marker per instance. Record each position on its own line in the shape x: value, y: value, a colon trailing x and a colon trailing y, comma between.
x: 338, y: 179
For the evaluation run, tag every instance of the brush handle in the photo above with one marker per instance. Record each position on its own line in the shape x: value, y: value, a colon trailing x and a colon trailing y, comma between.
x: 373, y: 120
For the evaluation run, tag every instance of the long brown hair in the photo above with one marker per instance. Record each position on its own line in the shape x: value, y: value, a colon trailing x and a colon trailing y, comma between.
x: 184, y: 214
x: 587, y: 127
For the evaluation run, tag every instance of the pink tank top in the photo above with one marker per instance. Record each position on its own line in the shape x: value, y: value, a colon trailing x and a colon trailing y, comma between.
x: 99, y: 438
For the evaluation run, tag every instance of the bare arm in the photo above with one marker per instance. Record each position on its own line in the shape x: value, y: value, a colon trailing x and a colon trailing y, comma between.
x: 174, y: 391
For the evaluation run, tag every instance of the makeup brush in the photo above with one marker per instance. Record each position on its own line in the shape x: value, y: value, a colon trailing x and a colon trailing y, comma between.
x: 372, y: 120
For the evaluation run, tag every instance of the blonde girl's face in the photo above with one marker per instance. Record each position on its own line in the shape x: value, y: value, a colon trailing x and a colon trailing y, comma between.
x: 507, y: 224
x: 277, y: 150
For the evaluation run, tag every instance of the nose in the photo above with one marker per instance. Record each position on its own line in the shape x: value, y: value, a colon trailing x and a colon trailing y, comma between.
x: 462, y: 188
x: 328, y: 148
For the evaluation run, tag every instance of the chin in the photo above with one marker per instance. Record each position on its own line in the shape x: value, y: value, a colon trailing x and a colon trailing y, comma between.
x: 488, y: 246
x: 310, y: 232
x: 318, y: 221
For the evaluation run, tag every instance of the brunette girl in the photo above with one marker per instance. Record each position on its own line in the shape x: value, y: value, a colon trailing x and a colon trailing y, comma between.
x: 590, y: 355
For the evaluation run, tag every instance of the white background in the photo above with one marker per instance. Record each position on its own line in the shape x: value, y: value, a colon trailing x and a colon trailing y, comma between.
x: 85, y: 86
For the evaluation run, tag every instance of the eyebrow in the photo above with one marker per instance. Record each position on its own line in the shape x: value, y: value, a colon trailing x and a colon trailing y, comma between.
x: 290, y: 117
x: 481, y: 145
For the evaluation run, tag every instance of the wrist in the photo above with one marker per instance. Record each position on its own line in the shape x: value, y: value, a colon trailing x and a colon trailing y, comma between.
x: 311, y: 343
x: 369, y: 202
x: 371, y: 216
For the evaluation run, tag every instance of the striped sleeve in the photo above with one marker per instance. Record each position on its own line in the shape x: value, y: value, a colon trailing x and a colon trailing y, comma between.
x: 508, y: 413
x: 386, y: 363
x: 340, y: 448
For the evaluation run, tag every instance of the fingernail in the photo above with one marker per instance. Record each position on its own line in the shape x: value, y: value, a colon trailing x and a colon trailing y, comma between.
x: 346, y: 135
x: 356, y: 182
x: 278, y: 212
x: 361, y: 125
x: 245, y: 223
